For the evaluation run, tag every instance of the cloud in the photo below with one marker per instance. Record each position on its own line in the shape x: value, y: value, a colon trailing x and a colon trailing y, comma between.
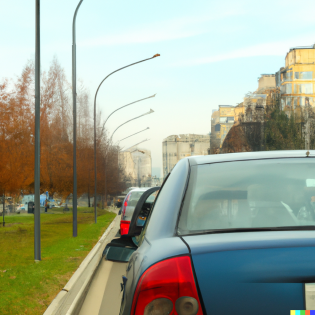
x: 279, y: 48
x: 178, y: 28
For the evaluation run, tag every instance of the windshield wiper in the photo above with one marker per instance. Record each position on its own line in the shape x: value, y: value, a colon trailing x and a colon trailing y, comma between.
x: 257, y: 229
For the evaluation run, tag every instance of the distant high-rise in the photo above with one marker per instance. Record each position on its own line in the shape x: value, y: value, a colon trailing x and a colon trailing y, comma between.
x: 177, y: 147
x: 137, y: 166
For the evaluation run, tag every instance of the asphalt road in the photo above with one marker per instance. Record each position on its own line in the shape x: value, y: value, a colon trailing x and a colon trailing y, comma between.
x: 104, y: 295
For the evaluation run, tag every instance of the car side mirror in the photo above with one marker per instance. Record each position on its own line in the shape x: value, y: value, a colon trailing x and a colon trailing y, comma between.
x: 117, y: 253
x: 119, y: 249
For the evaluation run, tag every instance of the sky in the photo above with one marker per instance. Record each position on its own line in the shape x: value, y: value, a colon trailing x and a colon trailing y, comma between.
x: 212, y: 53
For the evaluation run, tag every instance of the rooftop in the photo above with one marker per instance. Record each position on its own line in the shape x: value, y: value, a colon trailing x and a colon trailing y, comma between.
x: 303, y: 47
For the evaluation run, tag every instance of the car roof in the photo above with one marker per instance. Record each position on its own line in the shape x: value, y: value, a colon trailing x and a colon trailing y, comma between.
x: 139, y: 189
x: 243, y: 156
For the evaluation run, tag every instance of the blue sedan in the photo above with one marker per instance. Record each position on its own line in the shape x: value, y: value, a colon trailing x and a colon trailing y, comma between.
x: 227, y: 234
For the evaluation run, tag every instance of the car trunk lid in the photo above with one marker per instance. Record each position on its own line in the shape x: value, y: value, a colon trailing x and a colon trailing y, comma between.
x: 258, y: 272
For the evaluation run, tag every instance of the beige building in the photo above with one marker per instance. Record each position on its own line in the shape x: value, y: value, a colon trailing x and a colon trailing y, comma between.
x: 227, y: 118
x: 137, y: 166
x: 177, y: 147
x: 266, y: 82
x: 297, y: 79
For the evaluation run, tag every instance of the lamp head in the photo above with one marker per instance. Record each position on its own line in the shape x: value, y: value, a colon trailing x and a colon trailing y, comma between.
x: 156, y: 55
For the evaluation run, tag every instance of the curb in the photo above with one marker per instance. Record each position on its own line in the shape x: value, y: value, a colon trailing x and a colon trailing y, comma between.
x: 57, y: 303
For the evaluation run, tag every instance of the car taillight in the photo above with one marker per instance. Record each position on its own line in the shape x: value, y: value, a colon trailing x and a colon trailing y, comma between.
x: 167, y: 287
x: 125, y: 206
x: 124, y: 227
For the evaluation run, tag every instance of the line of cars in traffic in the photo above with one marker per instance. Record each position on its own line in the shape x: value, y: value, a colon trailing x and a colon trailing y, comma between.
x: 224, y: 234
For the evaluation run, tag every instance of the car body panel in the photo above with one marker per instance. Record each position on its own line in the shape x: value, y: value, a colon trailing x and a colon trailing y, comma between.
x: 168, y: 203
x: 265, y: 271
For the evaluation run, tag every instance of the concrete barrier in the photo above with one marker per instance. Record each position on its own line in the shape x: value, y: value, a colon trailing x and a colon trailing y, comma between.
x: 69, y: 300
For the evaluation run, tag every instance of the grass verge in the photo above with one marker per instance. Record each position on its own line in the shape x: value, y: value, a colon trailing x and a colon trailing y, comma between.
x: 27, y: 287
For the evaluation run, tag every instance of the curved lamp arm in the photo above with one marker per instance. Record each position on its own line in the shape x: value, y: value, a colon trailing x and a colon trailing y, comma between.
x: 156, y: 55
x: 150, y: 112
x: 126, y: 106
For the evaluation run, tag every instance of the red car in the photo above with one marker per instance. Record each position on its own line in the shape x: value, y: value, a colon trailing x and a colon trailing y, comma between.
x: 129, y: 205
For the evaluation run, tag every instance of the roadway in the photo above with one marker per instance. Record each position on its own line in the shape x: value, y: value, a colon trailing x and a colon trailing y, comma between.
x: 104, y: 295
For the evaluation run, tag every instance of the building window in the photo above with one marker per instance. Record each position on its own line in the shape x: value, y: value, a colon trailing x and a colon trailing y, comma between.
x: 282, y: 89
x: 286, y: 76
x: 305, y: 75
x: 230, y: 119
x: 303, y: 88
x: 289, y: 76
x: 286, y: 88
x: 289, y: 102
x: 217, y: 127
x: 222, y: 120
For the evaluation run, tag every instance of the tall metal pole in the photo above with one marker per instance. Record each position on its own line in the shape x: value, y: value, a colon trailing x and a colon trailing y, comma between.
x: 3, y: 222
x: 74, y: 98
x: 37, y: 246
x: 95, y: 173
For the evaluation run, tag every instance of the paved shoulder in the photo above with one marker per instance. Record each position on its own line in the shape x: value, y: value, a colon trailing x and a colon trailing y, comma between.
x: 104, y: 296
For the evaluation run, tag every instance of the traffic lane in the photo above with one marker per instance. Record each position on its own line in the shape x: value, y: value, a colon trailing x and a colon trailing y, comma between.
x: 104, y: 295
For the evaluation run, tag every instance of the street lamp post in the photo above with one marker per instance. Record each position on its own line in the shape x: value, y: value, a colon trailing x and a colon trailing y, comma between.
x: 150, y: 112
x: 3, y: 203
x: 143, y: 152
x: 74, y: 98
x: 95, y: 179
x: 37, y: 246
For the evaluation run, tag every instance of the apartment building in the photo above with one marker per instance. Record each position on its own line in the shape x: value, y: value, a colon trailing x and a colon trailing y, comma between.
x: 227, y: 118
x: 297, y: 79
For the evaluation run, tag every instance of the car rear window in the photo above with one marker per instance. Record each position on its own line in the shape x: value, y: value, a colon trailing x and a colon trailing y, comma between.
x: 249, y: 194
x: 134, y: 198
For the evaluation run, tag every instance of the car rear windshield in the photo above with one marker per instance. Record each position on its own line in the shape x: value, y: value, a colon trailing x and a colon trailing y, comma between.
x: 249, y: 195
x: 134, y: 198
